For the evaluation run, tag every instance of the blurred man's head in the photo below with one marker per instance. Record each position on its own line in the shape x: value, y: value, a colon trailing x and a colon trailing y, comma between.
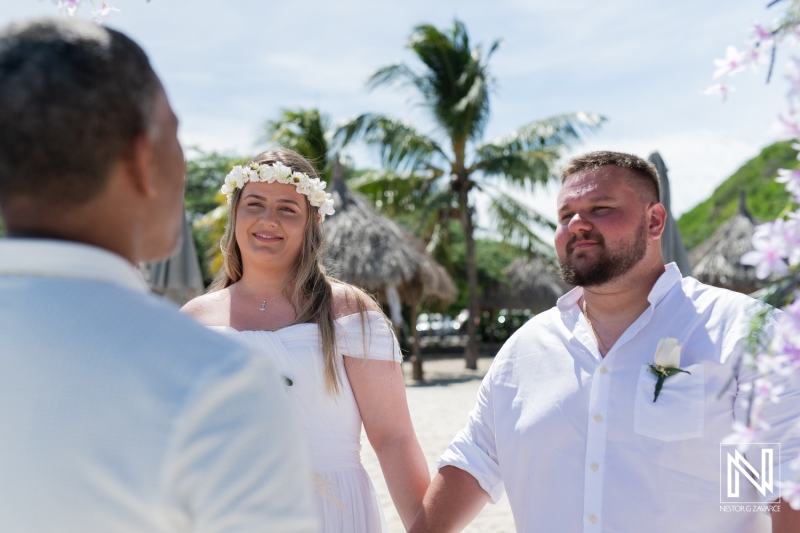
x: 85, y: 122
x: 610, y: 218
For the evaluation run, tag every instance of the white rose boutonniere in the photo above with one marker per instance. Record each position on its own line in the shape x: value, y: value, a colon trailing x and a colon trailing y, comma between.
x: 667, y: 362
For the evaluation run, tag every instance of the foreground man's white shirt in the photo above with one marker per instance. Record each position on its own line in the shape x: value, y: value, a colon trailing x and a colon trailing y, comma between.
x: 576, y: 440
x: 118, y: 414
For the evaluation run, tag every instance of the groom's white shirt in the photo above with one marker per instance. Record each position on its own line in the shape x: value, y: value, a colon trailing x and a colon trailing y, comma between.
x: 118, y: 414
x: 577, y: 442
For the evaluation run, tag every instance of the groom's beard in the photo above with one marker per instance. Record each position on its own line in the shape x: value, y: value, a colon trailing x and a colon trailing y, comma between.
x: 609, y: 265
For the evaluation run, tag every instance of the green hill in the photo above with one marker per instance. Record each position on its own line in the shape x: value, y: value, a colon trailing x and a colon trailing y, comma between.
x: 765, y: 197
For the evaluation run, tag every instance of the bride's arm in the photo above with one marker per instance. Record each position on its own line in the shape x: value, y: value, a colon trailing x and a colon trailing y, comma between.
x: 379, y: 389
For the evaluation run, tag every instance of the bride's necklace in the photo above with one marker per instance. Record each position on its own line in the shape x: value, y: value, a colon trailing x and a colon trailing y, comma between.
x: 263, y: 306
x: 591, y: 326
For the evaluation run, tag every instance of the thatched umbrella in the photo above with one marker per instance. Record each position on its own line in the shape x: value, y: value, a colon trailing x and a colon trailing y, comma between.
x: 533, y: 284
x: 671, y: 242
x: 372, y: 252
x: 178, y: 277
x: 716, y: 260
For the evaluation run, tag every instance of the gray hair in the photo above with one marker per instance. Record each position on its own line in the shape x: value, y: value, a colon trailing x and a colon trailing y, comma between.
x: 73, y: 95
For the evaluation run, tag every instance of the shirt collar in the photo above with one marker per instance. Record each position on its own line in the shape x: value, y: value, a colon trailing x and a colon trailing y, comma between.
x: 665, y: 282
x: 69, y: 260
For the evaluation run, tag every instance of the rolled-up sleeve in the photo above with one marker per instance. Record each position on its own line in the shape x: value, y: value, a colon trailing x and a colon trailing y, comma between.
x: 474, y: 448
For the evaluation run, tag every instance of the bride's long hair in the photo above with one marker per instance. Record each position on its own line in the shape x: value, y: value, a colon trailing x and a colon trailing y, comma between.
x: 307, y: 288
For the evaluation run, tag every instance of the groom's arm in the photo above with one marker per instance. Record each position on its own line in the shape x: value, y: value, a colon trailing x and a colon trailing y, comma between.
x: 469, y: 470
x: 787, y: 520
x: 452, y: 501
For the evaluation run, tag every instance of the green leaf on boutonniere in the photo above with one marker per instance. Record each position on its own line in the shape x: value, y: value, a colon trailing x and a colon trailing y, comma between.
x: 663, y: 373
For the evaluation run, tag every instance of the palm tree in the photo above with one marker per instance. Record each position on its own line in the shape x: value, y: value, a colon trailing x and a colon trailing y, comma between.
x: 453, y: 84
x: 307, y: 132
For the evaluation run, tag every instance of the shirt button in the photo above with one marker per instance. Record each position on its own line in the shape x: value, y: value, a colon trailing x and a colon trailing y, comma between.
x: 592, y: 518
x: 598, y: 417
x: 603, y: 370
x: 595, y: 467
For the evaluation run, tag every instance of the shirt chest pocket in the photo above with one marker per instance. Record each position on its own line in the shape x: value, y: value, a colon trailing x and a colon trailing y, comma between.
x: 679, y: 412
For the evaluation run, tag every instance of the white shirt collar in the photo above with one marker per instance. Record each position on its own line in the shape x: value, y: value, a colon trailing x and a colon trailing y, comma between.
x: 67, y: 259
x: 667, y: 280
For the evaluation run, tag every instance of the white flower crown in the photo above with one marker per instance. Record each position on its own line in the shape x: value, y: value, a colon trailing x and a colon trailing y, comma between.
x: 313, y: 188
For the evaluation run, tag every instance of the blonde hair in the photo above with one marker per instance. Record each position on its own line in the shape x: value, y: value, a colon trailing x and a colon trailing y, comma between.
x: 307, y: 288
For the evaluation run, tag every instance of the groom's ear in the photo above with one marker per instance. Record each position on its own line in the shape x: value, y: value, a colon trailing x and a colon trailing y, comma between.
x: 138, y: 163
x: 657, y: 220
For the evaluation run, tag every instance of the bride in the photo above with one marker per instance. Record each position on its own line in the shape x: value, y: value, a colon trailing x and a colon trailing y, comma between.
x: 338, y: 356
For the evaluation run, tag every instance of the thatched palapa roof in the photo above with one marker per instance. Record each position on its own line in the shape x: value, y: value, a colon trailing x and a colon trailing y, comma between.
x: 373, y: 252
x: 716, y: 261
x: 533, y: 284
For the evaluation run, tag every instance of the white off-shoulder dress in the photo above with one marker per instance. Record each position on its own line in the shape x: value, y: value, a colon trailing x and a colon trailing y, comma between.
x: 344, y: 495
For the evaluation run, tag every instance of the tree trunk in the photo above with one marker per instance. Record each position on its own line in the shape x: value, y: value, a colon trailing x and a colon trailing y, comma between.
x: 471, y: 352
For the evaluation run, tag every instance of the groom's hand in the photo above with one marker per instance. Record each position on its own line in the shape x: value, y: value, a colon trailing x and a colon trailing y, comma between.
x: 787, y: 520
x: 452, y: 501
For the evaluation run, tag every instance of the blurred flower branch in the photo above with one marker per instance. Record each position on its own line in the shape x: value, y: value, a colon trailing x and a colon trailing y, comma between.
x: 100, y: 11
x: 773, y: 359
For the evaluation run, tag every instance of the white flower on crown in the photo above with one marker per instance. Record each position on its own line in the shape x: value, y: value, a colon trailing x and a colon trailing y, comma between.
x: 312, y: 188
x: 326, y: 208
x: 317, y: 197
x: 237, y: 177
x: 298, y: 177
x: 252, y: 174
x: 284, y: 172
x: 304, y: 187
x: 267, y: 173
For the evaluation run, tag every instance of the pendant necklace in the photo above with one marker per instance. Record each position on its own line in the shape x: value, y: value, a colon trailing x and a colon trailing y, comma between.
x: 263, y: 306
x: 591, y: 326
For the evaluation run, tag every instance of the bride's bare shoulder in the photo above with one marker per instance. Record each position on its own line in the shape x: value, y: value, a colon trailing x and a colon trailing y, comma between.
x: 210, y: 309
x: 345, y: 299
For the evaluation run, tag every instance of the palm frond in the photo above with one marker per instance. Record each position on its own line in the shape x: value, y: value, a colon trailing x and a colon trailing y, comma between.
x: 407, y: 181
x: 514, y: 221
x: 440, y: 242
x: 494, y: 48
x: 433, y: 222
x: 522, y: 168
x: 528, y: 155
x: 306, y: 131
x: 456, y: 78
x: 397, y: 73
x: 554, y: 132
x: 393, y: 192
x: 402, y: 148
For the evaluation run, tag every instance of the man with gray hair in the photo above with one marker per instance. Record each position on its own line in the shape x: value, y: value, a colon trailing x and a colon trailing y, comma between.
x: 609, y: 411
x: 118, y: 413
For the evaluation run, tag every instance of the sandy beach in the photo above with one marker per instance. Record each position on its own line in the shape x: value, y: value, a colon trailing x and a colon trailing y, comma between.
x: 439, y: 409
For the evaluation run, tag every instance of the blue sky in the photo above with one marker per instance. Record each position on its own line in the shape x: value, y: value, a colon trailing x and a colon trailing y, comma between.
x: 229, y: 66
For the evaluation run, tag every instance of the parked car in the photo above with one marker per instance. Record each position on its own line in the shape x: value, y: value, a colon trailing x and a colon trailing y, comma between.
x: 436, y: 329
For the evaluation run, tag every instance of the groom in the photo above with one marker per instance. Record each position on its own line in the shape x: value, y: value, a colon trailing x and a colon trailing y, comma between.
x: 567, y: 422
x: 116, y: 412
